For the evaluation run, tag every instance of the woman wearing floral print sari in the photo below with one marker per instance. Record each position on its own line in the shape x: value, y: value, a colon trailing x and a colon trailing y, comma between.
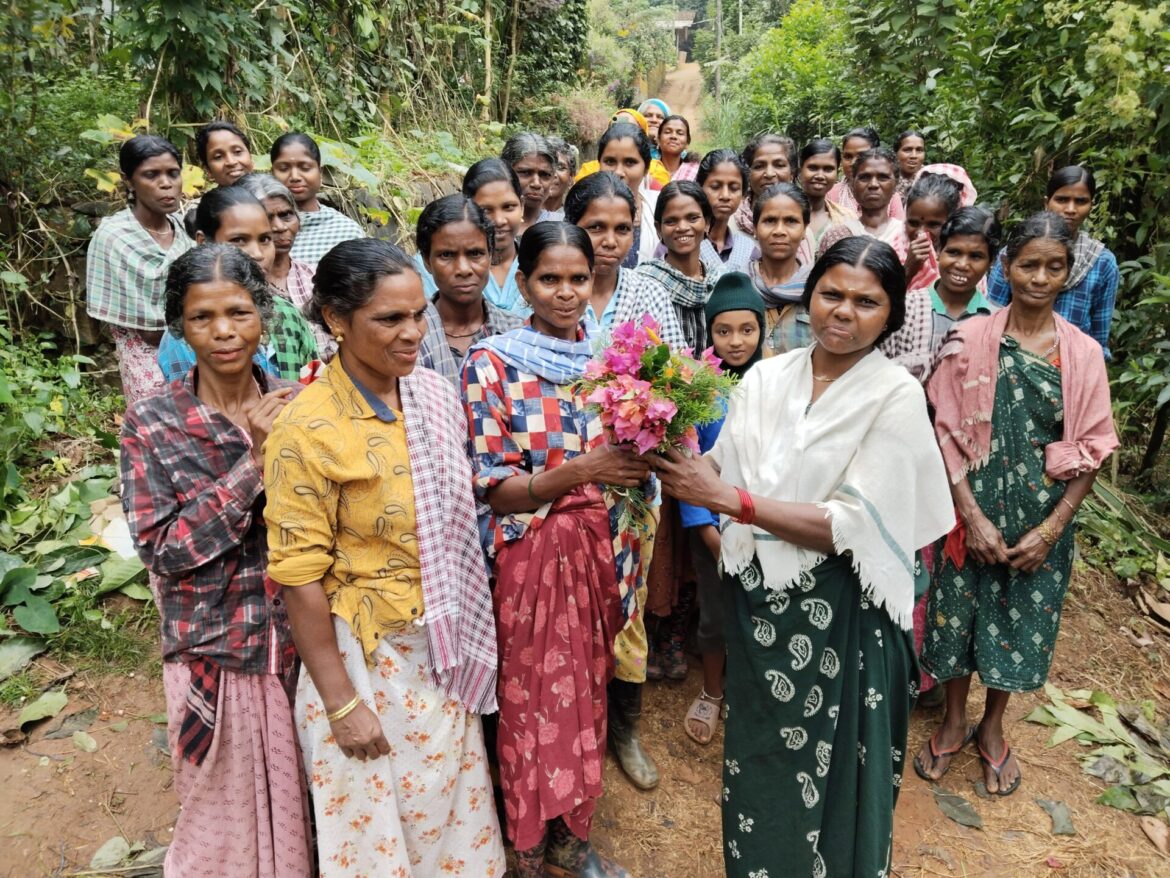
x: 828, y: 479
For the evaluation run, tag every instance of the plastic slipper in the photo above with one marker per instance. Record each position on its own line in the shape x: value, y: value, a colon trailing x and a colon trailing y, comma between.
x: 997, y: 768
x: 936, y: 754
x: 706, y: 713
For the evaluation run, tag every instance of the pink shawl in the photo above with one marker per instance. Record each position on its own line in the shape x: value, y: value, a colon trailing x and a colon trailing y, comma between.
x: 962, y: 391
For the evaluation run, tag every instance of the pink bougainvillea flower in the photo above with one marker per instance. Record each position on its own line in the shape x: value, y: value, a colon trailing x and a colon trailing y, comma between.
x: 661, y: 410
x: 713, y: 361
x: 690, y: 440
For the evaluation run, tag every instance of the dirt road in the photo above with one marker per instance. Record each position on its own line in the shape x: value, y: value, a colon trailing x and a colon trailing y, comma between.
x: 683, y: 91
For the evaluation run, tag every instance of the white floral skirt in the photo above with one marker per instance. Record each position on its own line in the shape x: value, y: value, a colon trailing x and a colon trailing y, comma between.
x: 424, y: 811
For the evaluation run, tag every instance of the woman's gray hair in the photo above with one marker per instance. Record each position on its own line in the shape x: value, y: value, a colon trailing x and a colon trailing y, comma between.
x: 211, y: 262
x: 525, y: 143
x: 563, y: 147
x: 265, y: 186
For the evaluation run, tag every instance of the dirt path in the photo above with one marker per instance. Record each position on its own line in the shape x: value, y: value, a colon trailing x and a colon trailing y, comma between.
x: 61, y: 804
x: 683, y: 91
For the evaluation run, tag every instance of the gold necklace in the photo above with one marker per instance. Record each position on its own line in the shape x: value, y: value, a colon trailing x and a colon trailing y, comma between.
x: 825, y: 378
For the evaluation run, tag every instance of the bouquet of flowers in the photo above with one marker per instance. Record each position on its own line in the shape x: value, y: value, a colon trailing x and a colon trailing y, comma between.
x: 651, y: 397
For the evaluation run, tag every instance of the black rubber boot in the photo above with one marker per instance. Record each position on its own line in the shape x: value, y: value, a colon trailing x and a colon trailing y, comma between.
x: 570, y: 857
x: 625, y: 709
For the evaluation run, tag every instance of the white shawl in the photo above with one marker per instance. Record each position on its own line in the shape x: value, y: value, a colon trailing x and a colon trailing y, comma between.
x: 865, y: 453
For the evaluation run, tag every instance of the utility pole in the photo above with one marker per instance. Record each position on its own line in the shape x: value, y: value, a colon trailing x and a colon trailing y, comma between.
x: 740, y: 29
x: 718, y: 52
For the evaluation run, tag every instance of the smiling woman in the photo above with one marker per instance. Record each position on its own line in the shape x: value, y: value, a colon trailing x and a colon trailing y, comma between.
x: 372, y: 534
x: 225, y: 152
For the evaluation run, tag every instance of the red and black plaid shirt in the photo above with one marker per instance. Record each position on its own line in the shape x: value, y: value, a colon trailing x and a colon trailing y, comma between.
x: 194, y: 502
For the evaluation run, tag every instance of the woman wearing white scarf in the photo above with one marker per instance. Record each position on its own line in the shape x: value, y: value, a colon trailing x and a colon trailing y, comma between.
x: 829, y: 479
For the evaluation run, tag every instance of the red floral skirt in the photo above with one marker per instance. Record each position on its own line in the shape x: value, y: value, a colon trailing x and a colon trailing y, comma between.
x: 557, y: 612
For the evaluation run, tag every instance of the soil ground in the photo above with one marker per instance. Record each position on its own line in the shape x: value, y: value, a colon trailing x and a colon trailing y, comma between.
x: 61, y: 804
x: 682, y: 92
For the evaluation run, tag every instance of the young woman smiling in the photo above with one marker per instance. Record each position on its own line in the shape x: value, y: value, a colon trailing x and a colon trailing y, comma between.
x: 826, y: 476
x: 674, y: 136
x: 225, y: 151
x: 820, y: 160
x: 681, y: 219
x: 296, y: 162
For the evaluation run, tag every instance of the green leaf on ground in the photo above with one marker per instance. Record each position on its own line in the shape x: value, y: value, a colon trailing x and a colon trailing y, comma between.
x: 75, y: 722
x: 957, y: 808
x: 84, y: 742
x: 17, y: 652
x: 37, y: 616
x: 1061, y: 819
x: 110, y: 854
x: 49, y: 704
x: 119, y: 572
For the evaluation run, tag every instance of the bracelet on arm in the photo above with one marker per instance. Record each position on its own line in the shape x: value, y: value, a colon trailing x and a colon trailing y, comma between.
x: 531, y: 493
x: 1048, y: 533
x: 345, y: 710
x: 747, y: 509
x: 1071, y: 508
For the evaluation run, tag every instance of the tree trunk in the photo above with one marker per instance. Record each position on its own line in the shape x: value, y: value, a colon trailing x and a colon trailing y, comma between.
x: 1157, y: 437
x: 515, y: 50
x: 485, y: 111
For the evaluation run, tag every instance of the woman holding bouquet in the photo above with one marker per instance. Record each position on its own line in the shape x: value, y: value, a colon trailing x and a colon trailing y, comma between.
x: 828, y: 477
x: 564, y: 570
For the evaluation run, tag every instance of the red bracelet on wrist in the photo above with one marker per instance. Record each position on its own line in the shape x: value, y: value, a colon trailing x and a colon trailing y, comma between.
x: 747, y: 509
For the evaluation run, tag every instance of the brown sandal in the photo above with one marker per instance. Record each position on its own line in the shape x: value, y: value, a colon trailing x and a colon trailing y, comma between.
x: 707, y: 711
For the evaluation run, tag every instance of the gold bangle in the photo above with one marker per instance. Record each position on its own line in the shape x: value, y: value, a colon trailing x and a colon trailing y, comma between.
x: 343, y: 712
x: 1071, y: 508
x: 1048, y: 533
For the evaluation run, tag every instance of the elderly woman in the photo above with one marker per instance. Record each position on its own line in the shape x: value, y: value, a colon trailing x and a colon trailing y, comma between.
x: 565, y: 570
x: 372, y: 534
x: 129, y: 256
x: 653, y: 111
x: 231, y: 215
x: 534, y: 162
x: 296, y: 162
x: 827, y: 478
x: 1090, y: 290
x: 1024, y: 420
x: 566, y: 170
x: 769, y: 159
x: 192, y: 459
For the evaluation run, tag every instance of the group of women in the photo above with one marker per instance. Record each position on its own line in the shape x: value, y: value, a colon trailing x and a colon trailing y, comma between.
x: 373, y: 501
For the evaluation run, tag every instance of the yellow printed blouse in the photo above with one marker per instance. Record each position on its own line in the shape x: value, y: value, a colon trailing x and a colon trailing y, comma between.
x: 341, y: 505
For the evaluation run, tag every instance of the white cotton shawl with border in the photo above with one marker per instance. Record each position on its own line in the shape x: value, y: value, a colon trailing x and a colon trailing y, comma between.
x: 865, y: 453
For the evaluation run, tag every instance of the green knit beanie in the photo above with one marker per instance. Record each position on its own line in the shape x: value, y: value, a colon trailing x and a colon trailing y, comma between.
x: 734, y: 291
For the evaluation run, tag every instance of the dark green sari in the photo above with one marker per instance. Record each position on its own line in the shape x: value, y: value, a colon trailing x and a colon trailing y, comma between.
x: 820, y: 687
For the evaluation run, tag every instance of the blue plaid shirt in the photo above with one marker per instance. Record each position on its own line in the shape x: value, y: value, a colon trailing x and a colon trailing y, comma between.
x: 1087, y: 306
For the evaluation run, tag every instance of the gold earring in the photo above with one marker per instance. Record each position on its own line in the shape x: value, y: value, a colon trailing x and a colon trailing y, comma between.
x: 338, y: 337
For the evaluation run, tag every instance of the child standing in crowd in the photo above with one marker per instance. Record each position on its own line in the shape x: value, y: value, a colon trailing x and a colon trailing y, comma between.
x: 735, y: 323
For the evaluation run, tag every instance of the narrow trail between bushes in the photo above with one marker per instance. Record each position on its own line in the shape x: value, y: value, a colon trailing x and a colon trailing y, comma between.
x: 683, y: 91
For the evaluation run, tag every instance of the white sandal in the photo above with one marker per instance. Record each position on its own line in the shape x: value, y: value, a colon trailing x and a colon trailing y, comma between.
x: 706, y: 710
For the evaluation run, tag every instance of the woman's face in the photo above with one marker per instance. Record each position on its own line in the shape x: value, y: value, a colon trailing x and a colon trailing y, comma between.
x: 562, y: 178
x: 724, y: 188
x: 285, y: 222
x: 848, y: 310
x: 911, y: 156
x: 157, y: 184
x: 382, y: 337
x: 460, y: 262
x: 222, y: 324
x: 1073, y: 203
x: 735, y: 335
x: 299, y: 171
x: 653, y: 117
x: 850, y: 150
x: 673, y: 138
x: 873, y: 184
x: 558, y: 289
x: 536, y: 175
x: 622, y: 158
x: 1038, y: 272
x: 228, y: 157
x: 963, y: 262
x: 683, y: 226
x: 505, y: 210
x: 246, y: 226
x: 925, y: 214
x: 780, y: 229
x: 818, y: 174
x: 769, y: 165
x: 610, y: 227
